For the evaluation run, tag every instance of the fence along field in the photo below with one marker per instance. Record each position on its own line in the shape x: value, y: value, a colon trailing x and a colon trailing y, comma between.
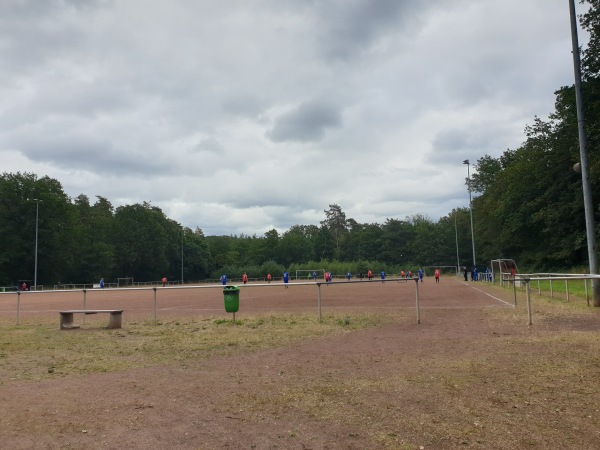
x: 152, y: 303
x: 158, y: 302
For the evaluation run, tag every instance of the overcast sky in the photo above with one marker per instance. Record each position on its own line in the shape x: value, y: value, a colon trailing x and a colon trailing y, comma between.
x: 241, y: 116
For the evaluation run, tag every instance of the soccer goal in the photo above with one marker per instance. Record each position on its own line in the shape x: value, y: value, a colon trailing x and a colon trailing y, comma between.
x: 504, y: 270
x: 307, y: 274
x: 125, y: 282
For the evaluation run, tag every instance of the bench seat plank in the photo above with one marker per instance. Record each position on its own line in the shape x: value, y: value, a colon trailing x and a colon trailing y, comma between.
x: 66, y: 317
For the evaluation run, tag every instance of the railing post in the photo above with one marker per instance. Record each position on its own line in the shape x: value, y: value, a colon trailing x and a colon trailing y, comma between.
x: 515, y: 291
x: 319, y: 301
x: 18, y: 305
x: 587, y: 297
x: 417, y: 290
x: 154, y: 305
x: 551, y: 291
x: 567, y: 288
x: 528, y: 300
x: 84, y: 304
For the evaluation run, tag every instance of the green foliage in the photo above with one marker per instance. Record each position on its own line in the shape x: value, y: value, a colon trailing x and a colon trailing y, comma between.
x: 590, y: 22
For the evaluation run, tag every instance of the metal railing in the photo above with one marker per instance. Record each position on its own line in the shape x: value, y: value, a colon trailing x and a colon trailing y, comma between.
x: 528, y: 278
x: 155, y: 291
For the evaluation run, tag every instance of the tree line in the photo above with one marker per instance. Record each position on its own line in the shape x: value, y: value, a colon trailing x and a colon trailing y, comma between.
x: 528, y: 206
x: 80, y: 242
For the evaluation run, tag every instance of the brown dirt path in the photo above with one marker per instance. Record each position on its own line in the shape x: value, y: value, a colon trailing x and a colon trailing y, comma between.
x: 358, y: 390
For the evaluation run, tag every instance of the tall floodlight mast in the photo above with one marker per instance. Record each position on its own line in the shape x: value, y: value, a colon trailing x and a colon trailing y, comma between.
x: 585, y: 181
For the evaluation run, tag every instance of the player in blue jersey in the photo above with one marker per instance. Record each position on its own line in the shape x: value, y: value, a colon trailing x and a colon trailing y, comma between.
x: 286, y: 278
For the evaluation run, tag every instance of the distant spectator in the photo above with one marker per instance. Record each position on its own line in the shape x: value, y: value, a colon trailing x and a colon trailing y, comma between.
x: 286, y: 278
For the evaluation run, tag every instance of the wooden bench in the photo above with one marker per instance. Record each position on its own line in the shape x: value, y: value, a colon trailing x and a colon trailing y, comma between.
x: 66, y: 317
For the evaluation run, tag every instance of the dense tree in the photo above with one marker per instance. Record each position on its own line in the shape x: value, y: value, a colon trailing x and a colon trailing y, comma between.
x: 295, y: 247
x: 488, y: 169
x: 335, y: 222
x: 141, y: 242
x: 590, y: 21
x: 395, y: 239
x: 197, y: 258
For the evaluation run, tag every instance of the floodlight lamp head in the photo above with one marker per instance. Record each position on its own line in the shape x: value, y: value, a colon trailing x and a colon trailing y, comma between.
x: 466, y: 161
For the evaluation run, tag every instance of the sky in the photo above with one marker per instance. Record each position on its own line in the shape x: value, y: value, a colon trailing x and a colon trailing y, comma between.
x: 239, y: 117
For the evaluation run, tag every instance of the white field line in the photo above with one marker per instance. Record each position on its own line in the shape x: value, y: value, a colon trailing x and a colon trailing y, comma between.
x: 490, y: 295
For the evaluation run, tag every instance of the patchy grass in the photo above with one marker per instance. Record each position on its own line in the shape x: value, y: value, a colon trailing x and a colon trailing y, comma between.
x: 36, y: 351
x: 557, y: 290
x: 487, y: 380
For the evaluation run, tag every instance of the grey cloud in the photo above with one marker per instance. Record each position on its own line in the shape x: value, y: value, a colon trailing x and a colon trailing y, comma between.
x: 243, y: 104
x: 40, y: 31
x: 226, y: 109
x: 307, y: 123
x: 348, y: 28
x: 210, y: 145
x: 89, y: 153
x: 457, y: 144
x: 454, y: 140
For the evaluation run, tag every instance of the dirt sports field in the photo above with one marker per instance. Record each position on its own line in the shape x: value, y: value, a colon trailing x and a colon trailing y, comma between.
x: 471, y: 374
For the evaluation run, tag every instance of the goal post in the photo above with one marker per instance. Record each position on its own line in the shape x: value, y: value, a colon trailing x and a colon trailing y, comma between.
x: 504, y: 270
x: 307, y: 274
x: 125, y: 282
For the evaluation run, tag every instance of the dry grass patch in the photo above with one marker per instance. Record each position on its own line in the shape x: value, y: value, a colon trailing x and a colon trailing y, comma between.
x: 522, y: 387
x: 37, y: 351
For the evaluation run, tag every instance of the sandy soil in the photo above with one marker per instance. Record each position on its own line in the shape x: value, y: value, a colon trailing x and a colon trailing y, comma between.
x: 359, y: 390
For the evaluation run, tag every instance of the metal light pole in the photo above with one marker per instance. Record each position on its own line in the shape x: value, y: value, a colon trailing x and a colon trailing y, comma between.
x: 466, y: 161
x: 182, y: 234
x: 585, y: 181
x: 37, y: 215
x: 456, y: 233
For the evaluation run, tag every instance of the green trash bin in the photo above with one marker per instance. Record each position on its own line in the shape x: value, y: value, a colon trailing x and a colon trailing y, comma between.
x: 231, y: 295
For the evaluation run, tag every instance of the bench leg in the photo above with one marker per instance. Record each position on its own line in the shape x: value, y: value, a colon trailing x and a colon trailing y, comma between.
x: 115, y: 320
x: 66, y: 322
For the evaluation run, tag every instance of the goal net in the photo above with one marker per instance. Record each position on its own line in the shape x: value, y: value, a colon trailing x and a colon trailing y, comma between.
x: 307, y: 274
x: 125, y: 282
x: 503, y: 270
